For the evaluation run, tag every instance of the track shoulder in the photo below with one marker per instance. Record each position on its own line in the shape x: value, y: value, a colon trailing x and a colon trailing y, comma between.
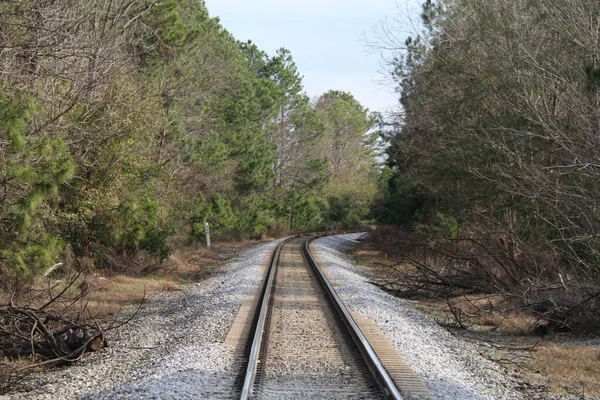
x: 449, y: 367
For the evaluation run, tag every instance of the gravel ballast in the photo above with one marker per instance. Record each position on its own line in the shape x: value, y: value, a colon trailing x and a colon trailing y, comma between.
x: 450, y: 368
x: 307, y: 353
x: 175, y: 348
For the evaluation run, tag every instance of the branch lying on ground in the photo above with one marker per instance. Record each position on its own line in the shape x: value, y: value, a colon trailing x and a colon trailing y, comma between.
x: 60, y: 330
x: 472, y: 271
x: 26, y: 331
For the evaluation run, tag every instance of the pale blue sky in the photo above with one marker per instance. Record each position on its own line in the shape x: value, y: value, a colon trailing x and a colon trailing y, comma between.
x: 324, y: 37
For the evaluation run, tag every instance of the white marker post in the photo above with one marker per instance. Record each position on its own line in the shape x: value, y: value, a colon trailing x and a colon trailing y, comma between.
x: 206, y: 231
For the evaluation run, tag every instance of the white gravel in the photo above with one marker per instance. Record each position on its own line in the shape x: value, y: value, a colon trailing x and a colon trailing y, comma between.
x: 450, y: 368
x: 173, y: 350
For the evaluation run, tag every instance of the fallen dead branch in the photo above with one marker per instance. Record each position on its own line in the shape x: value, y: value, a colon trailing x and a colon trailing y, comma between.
x: 465, y: 270
x: 44, y: 335
x: 48, y: 323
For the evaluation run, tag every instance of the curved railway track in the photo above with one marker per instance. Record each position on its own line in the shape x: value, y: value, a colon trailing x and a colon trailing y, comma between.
x: 305, y: 343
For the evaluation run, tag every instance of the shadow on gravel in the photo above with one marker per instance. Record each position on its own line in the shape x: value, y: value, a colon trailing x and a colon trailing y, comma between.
x: 187, y: 384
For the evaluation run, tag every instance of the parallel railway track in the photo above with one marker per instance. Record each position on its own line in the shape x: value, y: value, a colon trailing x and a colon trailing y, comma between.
x: 305, y: 343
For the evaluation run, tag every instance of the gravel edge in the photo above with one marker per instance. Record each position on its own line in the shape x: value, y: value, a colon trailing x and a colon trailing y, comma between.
x: 173, y: 349
x: 451, y: 368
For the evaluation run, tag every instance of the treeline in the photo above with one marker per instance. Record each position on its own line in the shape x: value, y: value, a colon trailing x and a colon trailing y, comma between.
x: 124, y: 123
x: 498, y: 145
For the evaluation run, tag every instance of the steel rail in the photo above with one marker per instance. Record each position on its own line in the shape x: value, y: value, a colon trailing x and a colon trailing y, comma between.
x: 381, y: 376
x: 371, y: 359
x: 260, y: 324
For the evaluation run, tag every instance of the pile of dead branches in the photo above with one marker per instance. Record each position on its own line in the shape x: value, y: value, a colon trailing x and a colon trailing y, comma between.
x: 56, y: 329
x: 45, y: 335
x: 489, y: 264
x: 46, y: 324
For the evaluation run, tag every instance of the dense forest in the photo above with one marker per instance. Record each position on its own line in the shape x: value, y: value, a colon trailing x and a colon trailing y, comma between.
x: 125, y: 123
x: 494, y: 158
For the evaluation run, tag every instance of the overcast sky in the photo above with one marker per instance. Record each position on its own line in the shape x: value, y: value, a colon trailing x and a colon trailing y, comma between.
x: 324, y: 37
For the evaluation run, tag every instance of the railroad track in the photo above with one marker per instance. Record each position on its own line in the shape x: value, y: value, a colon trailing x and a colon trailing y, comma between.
x: 305, y: 343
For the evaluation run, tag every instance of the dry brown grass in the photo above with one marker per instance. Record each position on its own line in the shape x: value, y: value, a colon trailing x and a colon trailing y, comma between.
x: 109, y: 295
x: 106, y: 292
x: 477, y: 314
x: 189, y: 263
x: 569, y: 367
x: 194, y: 262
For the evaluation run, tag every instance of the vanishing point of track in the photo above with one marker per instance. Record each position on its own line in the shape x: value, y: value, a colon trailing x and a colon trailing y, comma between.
x: 305, y: 343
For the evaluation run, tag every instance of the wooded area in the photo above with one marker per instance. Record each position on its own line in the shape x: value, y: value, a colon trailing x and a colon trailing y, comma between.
x: 124, y: 123
x: 494, y: 159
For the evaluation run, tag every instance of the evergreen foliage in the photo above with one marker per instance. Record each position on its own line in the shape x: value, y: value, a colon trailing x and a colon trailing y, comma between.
x: 125, y: 123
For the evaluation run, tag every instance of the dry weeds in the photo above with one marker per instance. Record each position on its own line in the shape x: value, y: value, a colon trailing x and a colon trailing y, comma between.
x: 569, y: 367
x: 109, y: 295
x: 189, y: 263
x: 562, y: 367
